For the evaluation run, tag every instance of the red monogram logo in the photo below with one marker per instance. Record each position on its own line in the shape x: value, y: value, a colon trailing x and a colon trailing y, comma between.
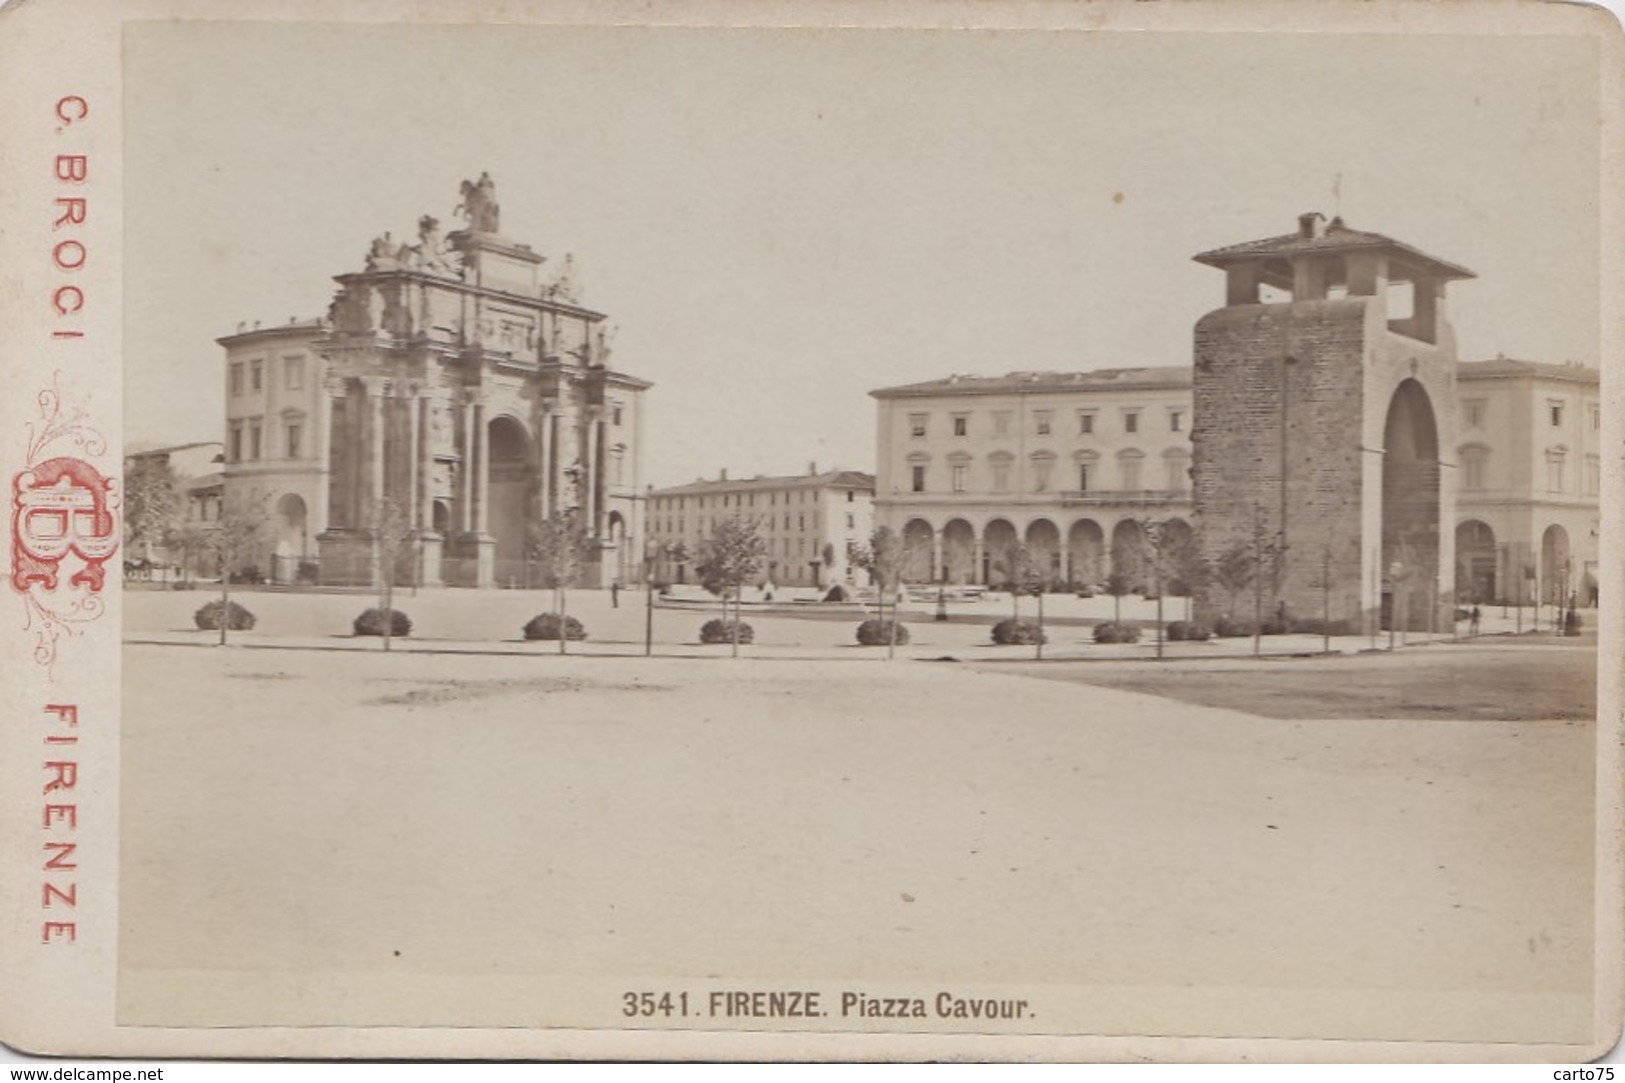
x: 61, y: 507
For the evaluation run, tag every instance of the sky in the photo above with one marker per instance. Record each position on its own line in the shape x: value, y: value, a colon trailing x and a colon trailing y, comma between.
x: 780, y: 221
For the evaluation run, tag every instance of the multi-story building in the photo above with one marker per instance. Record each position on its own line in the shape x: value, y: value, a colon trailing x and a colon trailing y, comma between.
x: 453, y: 387
x: 1529, y: 476
x: 194, y: 470
x: 274, y: 403
x: 1070, y: 463
x: 1074, y: 464
x: 809, y: 522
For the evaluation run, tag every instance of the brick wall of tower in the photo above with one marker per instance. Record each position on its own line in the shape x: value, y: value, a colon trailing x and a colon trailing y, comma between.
x: 1257, y: 365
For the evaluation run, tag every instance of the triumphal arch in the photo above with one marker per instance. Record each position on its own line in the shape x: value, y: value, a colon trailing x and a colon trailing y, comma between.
x: 461, y: 391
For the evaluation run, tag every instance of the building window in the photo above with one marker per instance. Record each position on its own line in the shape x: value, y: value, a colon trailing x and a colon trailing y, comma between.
x: 1593, y: 475
x: 1001, y: 422
x: 253, y: 440
x: 1472, y: 467
x: 615, y: 416
x: 1128, y: 464
x: 1176, y: 464
x: 293, y: 372
x: 960, y: 472
x: 236, y: 379
x: 849, y: 496
x: 256, y: 375
x: 1131, y: 421
x: 917, y: 478
x: 916, y: 424
x: 1596, y: 417
x: 851, y: 521
x: 1001, y: 477
x: 961, y: 424
x: 801, y: 522
x: 1041, y: 421
x: 1083, y: 476
x: 1554, y: 409
x: 1176, y: 421
x: 1472, y: 411
x: 1554, y: 469
x: 1043, y: 467
x: 234, y: 450
x: 293, y: 441
x: 1086, y: 422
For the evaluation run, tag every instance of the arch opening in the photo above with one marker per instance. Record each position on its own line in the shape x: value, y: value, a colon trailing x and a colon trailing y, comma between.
x: 1477, y: 571
x: 1085, y: 555
x: 1410, y: 510
x: 510, y: 492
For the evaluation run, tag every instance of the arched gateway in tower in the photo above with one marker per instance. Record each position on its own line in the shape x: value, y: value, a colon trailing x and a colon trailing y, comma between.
x: 1322, y: 413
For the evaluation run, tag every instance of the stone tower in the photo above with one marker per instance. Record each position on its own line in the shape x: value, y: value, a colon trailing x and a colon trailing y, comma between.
x: 1323, y: 430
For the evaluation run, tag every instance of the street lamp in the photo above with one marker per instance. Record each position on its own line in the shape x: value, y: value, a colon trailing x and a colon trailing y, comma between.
x: 649, y: 598
x: 1396, y: 573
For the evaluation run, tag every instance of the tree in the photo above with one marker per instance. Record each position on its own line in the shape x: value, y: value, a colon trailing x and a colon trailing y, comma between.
x: 1118, y: 584
x: 560, y: 545
x: 729, y: 558
x: 152, y: 505
x: 392, y: 537
x: 234, y: 539
x: 1183, y: 560
x: 1234, y: 570
x: 884, y: 558
x: 1019, y: 570
x: 1159, y: 545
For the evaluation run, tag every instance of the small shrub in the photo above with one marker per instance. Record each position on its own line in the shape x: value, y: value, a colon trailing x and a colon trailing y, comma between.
x: 309, y: 571
x: 1571, y: 623
x: 1233, y: 626
x: 1085, y: 592
x: 1012, y: 632
x: 1276, y: 626
x: 1189, y: 631
x: 837, y: 593
x: 1112, y: 631
x: 717, y: 630
x: 238, y: 619
x: 183, y: 584
x: 1463, y: 614
x: 546, y: 626
x: 878, y: 633
x: 371, y: 623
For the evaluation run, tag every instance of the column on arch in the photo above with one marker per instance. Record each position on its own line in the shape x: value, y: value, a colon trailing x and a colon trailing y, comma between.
x: 482, y: 476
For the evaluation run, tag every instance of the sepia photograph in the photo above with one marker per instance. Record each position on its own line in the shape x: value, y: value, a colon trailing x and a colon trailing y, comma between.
x: 981, y: 532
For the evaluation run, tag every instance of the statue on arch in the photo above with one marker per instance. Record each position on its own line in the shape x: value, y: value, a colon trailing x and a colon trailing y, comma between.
x: 567, y: 286
x: 604, y: 343
x: 431, y: 253
x: 479, y: 205
x: 384, y: 251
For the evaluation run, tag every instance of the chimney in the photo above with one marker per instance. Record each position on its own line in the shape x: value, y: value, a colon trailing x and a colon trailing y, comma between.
x: 1311, y: 225
x: 812, y: 468
x: 724, y: 475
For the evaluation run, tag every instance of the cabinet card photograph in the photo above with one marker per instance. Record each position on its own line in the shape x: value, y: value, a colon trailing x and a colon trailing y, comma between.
x: 777, y: 530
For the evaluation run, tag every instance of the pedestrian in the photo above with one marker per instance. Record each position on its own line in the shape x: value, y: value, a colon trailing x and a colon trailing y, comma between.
x: 1472, y: 621
x: 615, y: 594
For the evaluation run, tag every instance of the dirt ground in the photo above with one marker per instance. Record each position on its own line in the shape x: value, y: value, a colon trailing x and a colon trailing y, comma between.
x: 1486, y: 680
x: 342, y: 836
